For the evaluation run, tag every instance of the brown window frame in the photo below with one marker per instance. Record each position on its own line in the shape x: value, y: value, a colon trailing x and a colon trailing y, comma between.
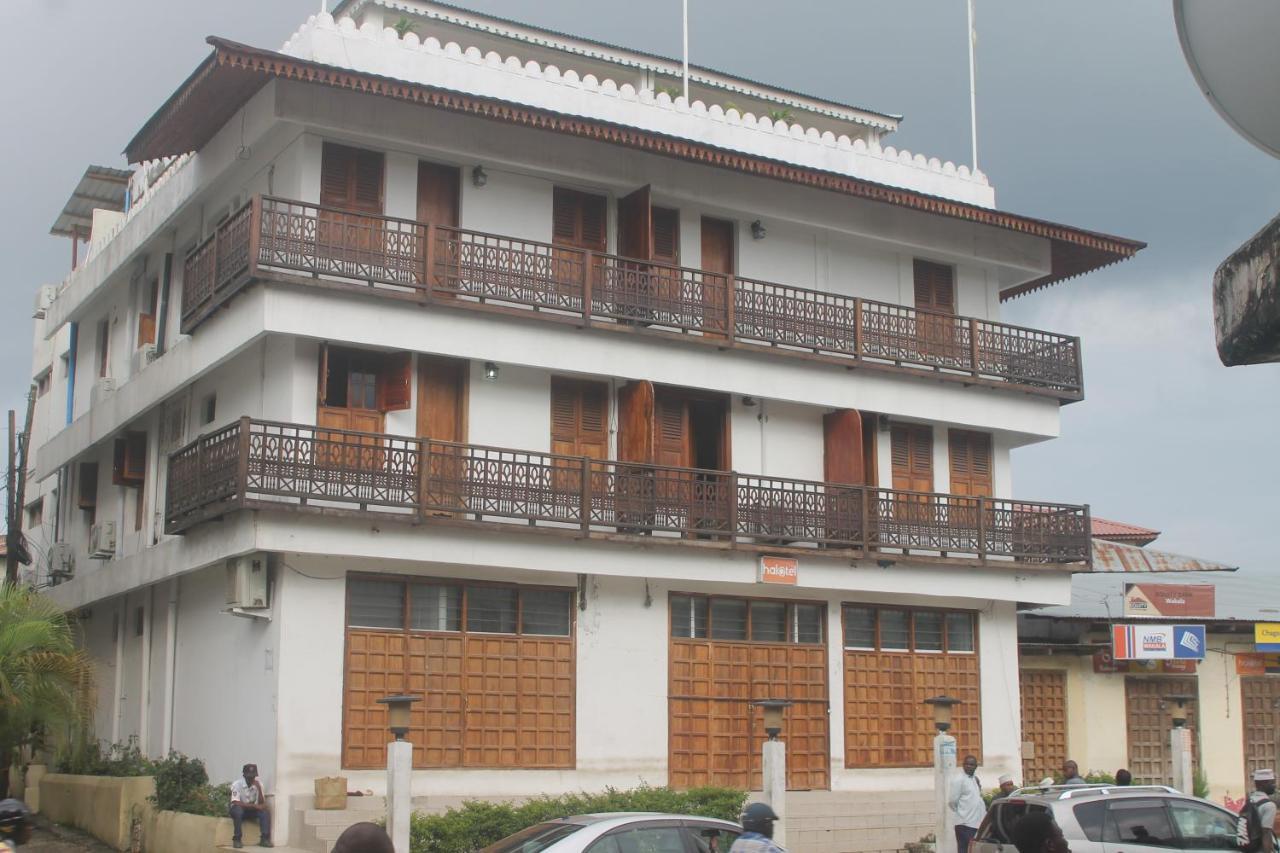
x: 748, y: 599
x: 462, y: 610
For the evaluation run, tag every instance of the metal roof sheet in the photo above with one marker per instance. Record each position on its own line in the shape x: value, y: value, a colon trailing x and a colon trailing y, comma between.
x: 101, y: 188
x: 1240, y: 597
x: 1120, y: 557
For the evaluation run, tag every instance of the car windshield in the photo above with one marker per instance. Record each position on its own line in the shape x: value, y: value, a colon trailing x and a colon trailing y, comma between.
x: 533, y: 839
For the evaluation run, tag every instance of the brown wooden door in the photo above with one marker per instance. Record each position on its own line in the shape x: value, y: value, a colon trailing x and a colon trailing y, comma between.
x: 1260, y: 702
x: 911, y: 448
x: 349, y: 452
x: 1149, y: 725
x: 969, y: 455
x: 351, y: 180
x: 718, y: 261
x: 634, y: 484
x: 442, y: 416
x: 579, y: 222
x: 935, y: 293
x: 439, y: 200
x: 844, y: 463
x: 1044, y: 722
x: 633, y: 293
x: 579, y: 427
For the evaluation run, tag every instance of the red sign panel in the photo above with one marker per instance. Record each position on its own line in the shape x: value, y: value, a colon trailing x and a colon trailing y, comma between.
x: 783, y: 570
x: 1162, y: 600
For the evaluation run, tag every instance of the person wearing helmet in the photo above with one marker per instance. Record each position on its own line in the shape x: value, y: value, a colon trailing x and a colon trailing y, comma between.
x: 757, y: 819
x: 15, y: 825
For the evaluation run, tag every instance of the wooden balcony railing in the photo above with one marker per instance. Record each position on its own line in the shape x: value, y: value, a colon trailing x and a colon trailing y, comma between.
x: 281, y: 466
x: 461, y: 268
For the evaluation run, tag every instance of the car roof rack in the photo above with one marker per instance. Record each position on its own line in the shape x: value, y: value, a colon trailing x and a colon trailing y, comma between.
x: 1066, y: 792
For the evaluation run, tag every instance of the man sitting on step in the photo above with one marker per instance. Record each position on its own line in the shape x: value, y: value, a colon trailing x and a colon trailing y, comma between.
x: 249, y: 800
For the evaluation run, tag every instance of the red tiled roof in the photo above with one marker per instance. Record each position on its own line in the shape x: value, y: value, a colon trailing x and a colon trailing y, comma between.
x: 1116, y: 531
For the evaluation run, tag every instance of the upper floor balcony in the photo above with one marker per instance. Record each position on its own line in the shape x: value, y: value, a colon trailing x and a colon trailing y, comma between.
x: 268, y: 465
x: 450, y: 268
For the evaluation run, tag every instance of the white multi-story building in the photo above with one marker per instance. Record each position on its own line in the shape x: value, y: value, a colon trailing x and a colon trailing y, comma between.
x: 468, y: 363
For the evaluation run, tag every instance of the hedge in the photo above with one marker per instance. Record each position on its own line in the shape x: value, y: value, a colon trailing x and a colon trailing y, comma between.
x: 479, y: 823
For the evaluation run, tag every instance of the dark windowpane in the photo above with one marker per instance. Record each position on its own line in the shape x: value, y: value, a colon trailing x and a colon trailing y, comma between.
x: 1089, y: 816
x: 376, y: 604
x: 491, y: 609
x: 545, y: 612
x: 435, y: 608
x: 364, y: 391
x: 960, y: 632
x: 807, y: 627
x: 928, y: 631
x: 688, y: 617
x: 769, y: 621
x: 1138, y: 822
x: 728, y: 619
x: 894, y: 630
x: 859, y: 627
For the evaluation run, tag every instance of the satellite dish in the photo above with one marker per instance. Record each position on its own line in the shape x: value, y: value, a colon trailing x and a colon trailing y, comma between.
x: 1231, y: 47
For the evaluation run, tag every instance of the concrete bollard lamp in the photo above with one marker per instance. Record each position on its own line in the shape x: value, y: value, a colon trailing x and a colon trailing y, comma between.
x: 399, y: 770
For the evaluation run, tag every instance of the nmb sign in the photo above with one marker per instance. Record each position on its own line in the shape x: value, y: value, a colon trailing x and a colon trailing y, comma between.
x: 1157, y: 642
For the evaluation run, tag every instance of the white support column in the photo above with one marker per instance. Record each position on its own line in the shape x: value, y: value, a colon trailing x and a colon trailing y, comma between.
x: 399, y: 795
x: 944, y: 767
x: 775, y: 786
x: 1180, y: 749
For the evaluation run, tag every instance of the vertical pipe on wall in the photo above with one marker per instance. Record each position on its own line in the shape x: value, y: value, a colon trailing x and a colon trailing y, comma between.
x: 122, y: 614
x: 144, y: 687
x: 170, y: 663
x: 71, y: 371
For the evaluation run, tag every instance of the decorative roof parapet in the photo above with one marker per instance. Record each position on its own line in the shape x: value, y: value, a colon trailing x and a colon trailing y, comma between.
x: 382, y: 51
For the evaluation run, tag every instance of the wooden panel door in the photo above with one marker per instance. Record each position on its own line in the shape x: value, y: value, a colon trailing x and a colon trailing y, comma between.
x: 634, y: 484
x: 442, y: 416
x: 633, y: 294
x: 1149, y: 725
x: 519, y: 701
x: 375, y: 667
x: 715, y: 733
x: 579, y: 427
x: 1044, y: 722
x: 911, y: 449
x: 337, y: 450
x: 438, y: 193
x: 578, y: 222
x: 718, y: 269
x: 935, y: 296
x: 1260, y: 701
x: 969, y: 456
x: 844, y: 462
x: 351, y: 180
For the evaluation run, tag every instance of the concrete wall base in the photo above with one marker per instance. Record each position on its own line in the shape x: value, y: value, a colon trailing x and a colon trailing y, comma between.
x: 103, y: 806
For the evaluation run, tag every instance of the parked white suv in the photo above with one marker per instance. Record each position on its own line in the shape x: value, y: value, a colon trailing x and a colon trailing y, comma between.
x: 1113, y: 819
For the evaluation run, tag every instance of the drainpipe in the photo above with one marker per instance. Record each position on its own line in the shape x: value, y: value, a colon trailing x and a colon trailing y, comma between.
x: 162, y: 309
x: 122, y: 613
x: 71, y: 371
x: 144, y: 689
x: 170, y: 663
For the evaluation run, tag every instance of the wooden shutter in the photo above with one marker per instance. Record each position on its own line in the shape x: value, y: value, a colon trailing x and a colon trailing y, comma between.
x: 438, y: 191
x: 635, y: 421
x: 442, y: 394
x: 970, y: 455
x: 935, y: 287
x: 87, y: 493
x: 666, y: 235
x: 578, y: 219
x: 579, y: 418
x: 843, y: 457
x: 671, y: 429
x: 912, y: 449
x: 395, y: 384
x: 129, y: 466
x: 635, y: 225
x: 717, y: 245
x: 351, y: 178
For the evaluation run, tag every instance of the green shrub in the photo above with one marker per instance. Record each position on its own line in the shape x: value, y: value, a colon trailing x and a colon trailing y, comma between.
x: 119, y: 759
x: 1200, y: 783
x: 479, y: 823
x: 182, y: 785
x: 1099, y: 777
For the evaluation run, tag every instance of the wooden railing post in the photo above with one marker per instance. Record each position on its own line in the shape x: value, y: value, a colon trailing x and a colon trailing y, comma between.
x: 1088, y: 526
x: 982, y: 529
x: 1075, y: 345
x: 857, y: 327
x: 242, y: 460
x: 733, y: 506
x: 865, y: 532
x: 731, y: 309
x: 255, y: 234
x: 584, y: 507
x: 428, y: 260
x: 424, y: 475
x: 974, y: 363
x: 588, y: 267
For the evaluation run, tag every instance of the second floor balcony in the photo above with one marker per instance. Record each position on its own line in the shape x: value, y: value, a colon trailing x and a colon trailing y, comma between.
x: 255, y: 464
x: 451, y: 268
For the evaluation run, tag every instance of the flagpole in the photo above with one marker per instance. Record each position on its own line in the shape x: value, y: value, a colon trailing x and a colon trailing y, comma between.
x: 973, y: 91
x: 685, y: 18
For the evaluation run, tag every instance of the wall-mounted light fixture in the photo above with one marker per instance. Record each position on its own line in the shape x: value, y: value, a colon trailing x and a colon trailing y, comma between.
x: 750, y: 401
x: 758, y: 231
x: 479, y: 176
x: 490, y: 371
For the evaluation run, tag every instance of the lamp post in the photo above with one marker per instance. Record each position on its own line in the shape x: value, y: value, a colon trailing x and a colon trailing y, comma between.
x: 399, y: 770
x: 773, y: 765
x: 944, y: 767
x: 1180, y: 740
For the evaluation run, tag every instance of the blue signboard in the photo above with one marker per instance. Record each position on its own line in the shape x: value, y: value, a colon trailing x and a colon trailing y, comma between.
x: 1188, y: 641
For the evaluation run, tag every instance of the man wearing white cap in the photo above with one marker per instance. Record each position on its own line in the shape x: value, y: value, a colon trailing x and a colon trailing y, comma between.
x: 1264, y: 785
x: 1006, y: 787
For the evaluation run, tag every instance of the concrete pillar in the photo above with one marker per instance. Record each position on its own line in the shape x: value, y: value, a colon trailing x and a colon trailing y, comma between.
x: 399, y: 795
x: 944, y: 767
x: 775, y: 786
x: 1180, y: 749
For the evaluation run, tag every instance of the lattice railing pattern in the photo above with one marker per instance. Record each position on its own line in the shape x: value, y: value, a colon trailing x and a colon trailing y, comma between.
x: 305, y: 464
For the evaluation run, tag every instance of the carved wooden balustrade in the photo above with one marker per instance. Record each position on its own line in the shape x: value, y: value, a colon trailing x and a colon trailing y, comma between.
x: 460, y: 268
x: 264, y: 464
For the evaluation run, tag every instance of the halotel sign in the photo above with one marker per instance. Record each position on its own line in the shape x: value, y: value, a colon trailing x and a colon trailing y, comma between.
x: 1169, y: 600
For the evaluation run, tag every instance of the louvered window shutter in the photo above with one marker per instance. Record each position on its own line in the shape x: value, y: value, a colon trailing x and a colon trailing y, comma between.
x: 970, y: 454
x: 351, y: 178
x: 666, y: 235
x: 912, y: 454
x: 564, y: 217
x: 579, y: 418
x: 594, y: 216
x: 367, y: 182
x: 935, y: 286
x: 579, y: 219
x: 336, y: 165
x: 394, y: 382
x: 671, y: 445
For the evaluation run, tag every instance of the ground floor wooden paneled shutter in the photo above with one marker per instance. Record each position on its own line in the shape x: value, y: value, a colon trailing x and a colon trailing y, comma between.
x: 1260, y: 703
x: 715, y: 733
x: 518, y: 701
x: 887, y: 724
x: 1149, y: 725
x: 1044, y: 722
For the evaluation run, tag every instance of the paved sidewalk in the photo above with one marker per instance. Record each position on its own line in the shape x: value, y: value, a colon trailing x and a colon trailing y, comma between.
x: 52, y: 838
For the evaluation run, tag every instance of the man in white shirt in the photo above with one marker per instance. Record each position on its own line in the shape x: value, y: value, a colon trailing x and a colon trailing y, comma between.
x: 1264, y: 788
x: 965, y: 802
x: 249, y: 800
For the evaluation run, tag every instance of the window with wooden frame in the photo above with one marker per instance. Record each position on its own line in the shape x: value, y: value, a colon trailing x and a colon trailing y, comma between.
x: 701, y: 617
x: 43, y: 381
x: 364, y: 379
x: 35, y: 513
x: 460, y: 646
x: 969, y: 453
x: 129, y: 461
x: 147, y: 316
x: 104, y: 347
x: 935, y: 286
x: 579, y: 417
x: 894, y: 659
x: 351, y: 178
x: 579, y: 219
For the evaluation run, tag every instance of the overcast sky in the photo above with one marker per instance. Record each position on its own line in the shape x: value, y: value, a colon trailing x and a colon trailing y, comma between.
x: 1087, y: 115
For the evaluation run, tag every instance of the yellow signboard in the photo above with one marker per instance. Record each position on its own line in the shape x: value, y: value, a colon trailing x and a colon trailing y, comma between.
x: 1266, y: 636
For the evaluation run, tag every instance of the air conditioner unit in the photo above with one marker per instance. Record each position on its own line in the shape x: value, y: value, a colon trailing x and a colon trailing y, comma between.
x: 143, y: 356
x: 102, y: 541
x: 44, y: 298
x: 62, y: 560
x: 247, y: 582
x: 103, y: 388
